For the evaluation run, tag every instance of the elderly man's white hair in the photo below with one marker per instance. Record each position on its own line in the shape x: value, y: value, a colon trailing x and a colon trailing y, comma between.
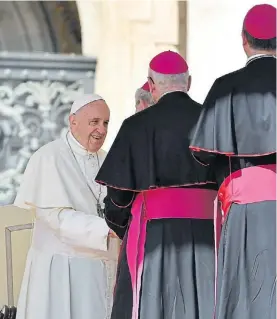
x: 83, y: 100
x: 144, y: 96
x: 170, y: 82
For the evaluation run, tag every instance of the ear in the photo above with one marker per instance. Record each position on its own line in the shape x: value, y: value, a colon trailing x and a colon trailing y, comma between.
x: 151, y: 85
x: 189, y: 83
x: 72, y: 119
x: 244, y: 40
x: 145, y: 105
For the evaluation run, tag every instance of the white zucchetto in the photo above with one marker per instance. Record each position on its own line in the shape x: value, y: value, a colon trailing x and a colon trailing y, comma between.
x: 84, y: 100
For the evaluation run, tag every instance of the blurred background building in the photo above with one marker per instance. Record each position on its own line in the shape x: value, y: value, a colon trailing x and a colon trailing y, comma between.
x: 52, y: 51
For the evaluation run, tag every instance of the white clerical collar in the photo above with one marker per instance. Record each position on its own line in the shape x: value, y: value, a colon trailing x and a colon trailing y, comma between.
x: 259, y: 56
x: 76, y: 146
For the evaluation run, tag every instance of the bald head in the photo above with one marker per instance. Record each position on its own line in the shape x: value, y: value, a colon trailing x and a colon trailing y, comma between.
x: 89, y: 124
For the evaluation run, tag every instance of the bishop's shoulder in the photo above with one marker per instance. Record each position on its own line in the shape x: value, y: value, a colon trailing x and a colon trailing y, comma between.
x: 230, y: 76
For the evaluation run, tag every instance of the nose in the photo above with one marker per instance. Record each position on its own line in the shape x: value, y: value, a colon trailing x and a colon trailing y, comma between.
x: 102, y: 129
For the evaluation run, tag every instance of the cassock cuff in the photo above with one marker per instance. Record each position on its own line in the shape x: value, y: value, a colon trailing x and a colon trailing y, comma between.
x: 123, y: 206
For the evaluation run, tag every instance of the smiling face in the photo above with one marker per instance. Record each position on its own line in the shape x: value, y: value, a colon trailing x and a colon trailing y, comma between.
x: 90, y: 125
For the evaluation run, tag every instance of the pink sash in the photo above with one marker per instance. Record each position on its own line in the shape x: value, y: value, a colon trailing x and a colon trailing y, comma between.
x: 158, y: 204
x: 249, y: 185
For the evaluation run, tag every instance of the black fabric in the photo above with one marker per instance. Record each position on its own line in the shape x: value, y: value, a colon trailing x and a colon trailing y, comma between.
x: 239, y: 120
x: 246, y: 286
x: 152, y: 148
x: 8, y: 312
x: 247, y: 254
x: 117, y: 218
x: 225, y: 165
x: 178, y: 275
x: 178, y: 268
x: 239, y: 114
x: 123, y: 295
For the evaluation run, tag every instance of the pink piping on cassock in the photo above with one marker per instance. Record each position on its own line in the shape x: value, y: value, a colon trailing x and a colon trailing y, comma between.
x: 248, y: 185
x: 160, y: 204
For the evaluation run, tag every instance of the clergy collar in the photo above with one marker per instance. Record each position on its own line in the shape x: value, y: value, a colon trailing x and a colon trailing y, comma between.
x: 259, y: 56
x: 76, y: 146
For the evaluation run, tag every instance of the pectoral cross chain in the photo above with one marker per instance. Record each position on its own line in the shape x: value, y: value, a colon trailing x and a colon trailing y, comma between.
x: 100, y: 211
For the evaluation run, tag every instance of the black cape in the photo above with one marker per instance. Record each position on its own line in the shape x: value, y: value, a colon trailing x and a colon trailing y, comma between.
x: 239, y: 114
x: 236, y: 130
x: 150, y: 151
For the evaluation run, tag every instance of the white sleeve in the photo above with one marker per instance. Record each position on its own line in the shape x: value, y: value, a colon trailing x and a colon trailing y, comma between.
x: 76, y: 228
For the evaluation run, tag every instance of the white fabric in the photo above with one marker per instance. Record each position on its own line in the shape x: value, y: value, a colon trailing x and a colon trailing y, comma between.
x: 79, y: 287
x: 70, y: 265
x: 53, y: 178
x: 84, y: 100
x: 77, y: 229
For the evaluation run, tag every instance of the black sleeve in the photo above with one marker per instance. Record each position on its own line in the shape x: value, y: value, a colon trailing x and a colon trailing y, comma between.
x: 202, y: 143
x: 118, y: 205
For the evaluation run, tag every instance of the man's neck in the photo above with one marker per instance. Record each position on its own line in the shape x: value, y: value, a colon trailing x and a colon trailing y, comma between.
x: 254, y: 53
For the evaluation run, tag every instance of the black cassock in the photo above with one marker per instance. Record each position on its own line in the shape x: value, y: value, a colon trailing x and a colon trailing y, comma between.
x: 236, y: 133
x: 151, y: 151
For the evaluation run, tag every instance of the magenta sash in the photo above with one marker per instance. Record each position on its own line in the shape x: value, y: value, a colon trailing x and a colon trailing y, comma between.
x: 248, y: 185
x: 158, y: 204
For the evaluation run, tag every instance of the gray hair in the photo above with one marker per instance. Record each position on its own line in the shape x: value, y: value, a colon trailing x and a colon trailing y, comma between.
x: 170, y: 82
x: 144, y: 96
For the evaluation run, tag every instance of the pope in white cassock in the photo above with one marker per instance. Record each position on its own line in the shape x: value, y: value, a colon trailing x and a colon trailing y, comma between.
x: 71, y: 263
